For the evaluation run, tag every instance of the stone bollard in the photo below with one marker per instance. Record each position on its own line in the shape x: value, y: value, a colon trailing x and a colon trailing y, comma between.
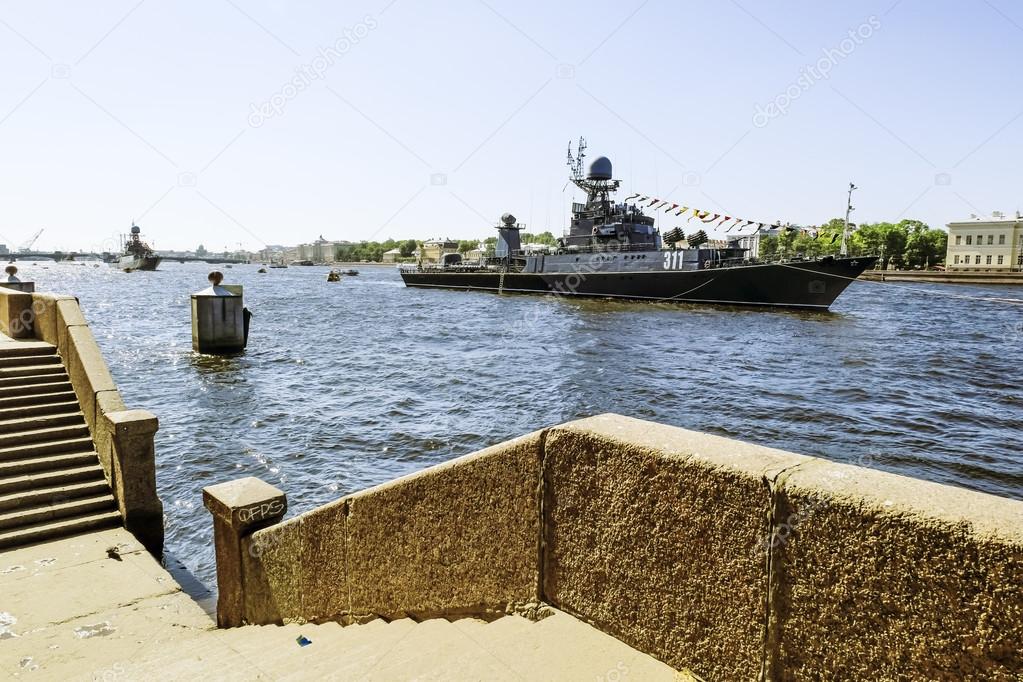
x: 12, y: 281
x: 239, y: 508
x: 220, y: 321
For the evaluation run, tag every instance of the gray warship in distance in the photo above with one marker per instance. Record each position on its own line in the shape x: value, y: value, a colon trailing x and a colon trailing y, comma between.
x: 613, y: 250
x: 137, y: 255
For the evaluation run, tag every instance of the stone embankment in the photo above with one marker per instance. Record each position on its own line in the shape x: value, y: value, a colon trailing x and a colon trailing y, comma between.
x: 73, y: 458
x: 979, y: 278
x: 726, y: 559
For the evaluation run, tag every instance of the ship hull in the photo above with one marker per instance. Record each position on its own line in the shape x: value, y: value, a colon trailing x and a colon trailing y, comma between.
x: 802, y: 284
x: 130, y: 263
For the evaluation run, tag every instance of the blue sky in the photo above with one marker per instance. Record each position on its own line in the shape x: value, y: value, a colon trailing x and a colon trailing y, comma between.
x: 432, y: 119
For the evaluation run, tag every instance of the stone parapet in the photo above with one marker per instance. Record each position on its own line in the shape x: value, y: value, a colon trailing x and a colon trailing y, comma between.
x: 390, y: 551
x: 726, y: 559
x: 654, y: 534
x: 879, y: 576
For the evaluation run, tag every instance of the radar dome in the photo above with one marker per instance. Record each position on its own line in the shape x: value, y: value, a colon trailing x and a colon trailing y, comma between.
x: 508, y: 219
x: 600, y: 169
x: 135, y: 229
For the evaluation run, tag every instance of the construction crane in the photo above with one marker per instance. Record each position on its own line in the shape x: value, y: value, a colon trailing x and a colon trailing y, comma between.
x: 27, y: 246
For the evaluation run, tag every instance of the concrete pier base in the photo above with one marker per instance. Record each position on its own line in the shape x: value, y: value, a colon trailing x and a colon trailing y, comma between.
x: 219, y: 318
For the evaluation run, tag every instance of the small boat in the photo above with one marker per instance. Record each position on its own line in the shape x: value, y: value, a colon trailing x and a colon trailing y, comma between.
x: 262, y: 270
x: 334, y: 276
x: 351, y: 273
x: 302, y: 262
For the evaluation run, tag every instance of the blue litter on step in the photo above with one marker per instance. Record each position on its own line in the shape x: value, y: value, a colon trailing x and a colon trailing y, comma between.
x: 302, y: 641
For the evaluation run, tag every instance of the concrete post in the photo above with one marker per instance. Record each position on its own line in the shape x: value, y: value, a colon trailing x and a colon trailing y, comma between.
x: 12, y: 281
x: 219, y: 322
x: 239, y: 508
x: 133, y: 474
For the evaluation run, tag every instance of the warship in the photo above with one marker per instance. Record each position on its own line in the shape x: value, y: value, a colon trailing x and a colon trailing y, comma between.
x: 137, y: 254
x: 613, y: 250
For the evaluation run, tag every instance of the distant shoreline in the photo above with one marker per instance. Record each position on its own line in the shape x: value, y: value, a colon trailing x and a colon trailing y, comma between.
x: 1009, y: 278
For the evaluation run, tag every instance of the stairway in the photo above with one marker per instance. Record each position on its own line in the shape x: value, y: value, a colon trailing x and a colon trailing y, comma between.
x: 51, y: 483
x: 558, y: 647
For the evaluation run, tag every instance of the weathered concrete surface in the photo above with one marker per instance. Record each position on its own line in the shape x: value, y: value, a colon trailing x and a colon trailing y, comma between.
x: 462, y: 536
x: 657, y: 534
x: 239, y: 507
x: 130, y: 434
x: 84, y: 607
x: 17, y: 320
x: 44, y: 308
x: 885, y: 577
x: 88, y: 371
x: 69, y: 314
x: 107, y: 402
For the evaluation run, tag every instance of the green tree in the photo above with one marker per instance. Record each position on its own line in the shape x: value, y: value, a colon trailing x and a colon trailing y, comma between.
x: 924, y: 246
x: 408, y: 247
x: 541, y: 238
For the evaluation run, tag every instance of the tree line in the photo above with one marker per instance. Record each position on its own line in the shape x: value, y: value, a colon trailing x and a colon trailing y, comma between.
x: 906, y: 244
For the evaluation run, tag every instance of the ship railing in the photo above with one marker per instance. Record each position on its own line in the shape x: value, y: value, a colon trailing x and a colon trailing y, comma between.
x: 570, y: 250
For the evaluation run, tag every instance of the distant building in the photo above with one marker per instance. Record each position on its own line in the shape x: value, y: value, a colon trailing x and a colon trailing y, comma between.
x: 992, y: 244
x: 751, y: 242
x: 434, y: 249
x: 392, y: 256
x: 320, y: 251
x: 3, y: 250
x: 477, y: 254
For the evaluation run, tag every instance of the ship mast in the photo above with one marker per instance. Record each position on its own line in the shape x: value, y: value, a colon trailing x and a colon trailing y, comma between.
x: 845, y: 231
x: 597, y: 188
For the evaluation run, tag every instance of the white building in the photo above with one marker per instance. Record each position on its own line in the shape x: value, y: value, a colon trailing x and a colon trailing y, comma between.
x: 751, y: 242
x: 986, y: 244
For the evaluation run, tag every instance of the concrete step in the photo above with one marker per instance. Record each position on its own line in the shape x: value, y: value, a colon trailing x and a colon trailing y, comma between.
x: 68, y: 406
x: 59, y: 528
x: 21, y: 360
x: 83, y: 456
x: 64, y: 472
x: 21, y: 348
x: 15, y: 439
x: 41, y: 421
x: 57, y: 391
x: 29, y: 370
x: 33, y: 450
x: 57, y: 507
x: 30, y: 380
x: 39, y: 495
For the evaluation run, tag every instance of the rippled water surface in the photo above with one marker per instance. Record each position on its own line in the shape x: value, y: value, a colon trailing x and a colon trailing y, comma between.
x: 351, y: 384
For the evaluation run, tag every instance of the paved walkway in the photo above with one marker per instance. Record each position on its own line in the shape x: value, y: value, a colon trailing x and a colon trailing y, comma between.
x: 99, y: 607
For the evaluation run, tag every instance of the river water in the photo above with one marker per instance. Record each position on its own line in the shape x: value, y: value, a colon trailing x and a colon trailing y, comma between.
x: 351, y: 384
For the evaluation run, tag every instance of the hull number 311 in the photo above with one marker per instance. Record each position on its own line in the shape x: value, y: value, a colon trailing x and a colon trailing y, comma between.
x: 672, y: 260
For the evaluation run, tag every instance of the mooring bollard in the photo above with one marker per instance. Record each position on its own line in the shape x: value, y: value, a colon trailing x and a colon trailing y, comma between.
x: 220, y: 320
x: 12, y: 281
